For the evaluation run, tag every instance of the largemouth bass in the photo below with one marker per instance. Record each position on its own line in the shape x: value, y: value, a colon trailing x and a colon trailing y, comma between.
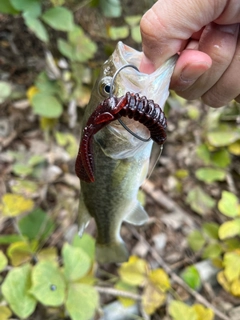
x: 121, y: 160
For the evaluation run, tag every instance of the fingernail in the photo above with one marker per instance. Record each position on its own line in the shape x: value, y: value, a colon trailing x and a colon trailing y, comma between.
x: 228, y: 28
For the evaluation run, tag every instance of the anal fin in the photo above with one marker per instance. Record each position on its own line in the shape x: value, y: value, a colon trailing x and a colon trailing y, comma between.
x: 137, y: 216
x: 83, y: 216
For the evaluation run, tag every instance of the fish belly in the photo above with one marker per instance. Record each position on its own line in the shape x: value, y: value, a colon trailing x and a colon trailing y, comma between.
x: 110, y: 200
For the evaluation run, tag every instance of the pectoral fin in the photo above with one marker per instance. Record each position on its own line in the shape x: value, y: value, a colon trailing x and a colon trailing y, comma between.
x: 83, y: 216
x: 137, y: 216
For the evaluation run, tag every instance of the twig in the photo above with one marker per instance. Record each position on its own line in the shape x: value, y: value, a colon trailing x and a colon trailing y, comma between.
x: 118, y: 293
x: 177, y: 279
x: 164, y: 201
x: 143, y: 313
x: 231, y: 183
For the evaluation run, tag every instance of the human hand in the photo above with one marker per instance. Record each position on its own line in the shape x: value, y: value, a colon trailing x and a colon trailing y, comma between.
x: 206, y: 34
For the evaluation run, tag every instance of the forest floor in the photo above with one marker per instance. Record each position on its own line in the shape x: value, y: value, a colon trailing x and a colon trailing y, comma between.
x: 162, y: 241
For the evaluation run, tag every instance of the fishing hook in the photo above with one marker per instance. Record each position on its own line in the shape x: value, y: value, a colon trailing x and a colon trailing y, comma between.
x: 111, y: 94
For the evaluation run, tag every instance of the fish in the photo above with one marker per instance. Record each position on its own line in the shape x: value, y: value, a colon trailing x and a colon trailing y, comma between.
x: 115, y: 162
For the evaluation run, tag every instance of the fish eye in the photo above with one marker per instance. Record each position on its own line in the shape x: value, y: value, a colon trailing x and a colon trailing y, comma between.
x: 104, y: 86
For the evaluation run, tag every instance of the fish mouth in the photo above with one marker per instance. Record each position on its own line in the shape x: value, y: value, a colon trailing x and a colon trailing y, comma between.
x: 136, y: 108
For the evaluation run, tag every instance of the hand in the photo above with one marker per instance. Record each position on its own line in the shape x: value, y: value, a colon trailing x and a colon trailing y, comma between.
x: 206, y: 34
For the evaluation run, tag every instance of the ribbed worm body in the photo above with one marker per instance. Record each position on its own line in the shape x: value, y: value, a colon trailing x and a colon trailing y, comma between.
x: 130, y: 105
x: 148, y: 113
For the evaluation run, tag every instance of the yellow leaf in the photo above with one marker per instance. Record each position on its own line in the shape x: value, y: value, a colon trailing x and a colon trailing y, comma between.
x: 3, y: 262
x: 134, y: 271
x: 223, y: 281
x: 235, y: 288
x: 5, y: 313
x: 203, y: 313
x: 234, y: 148
x: 126, y: 302
x: 47, y: 123
x: 15, y: 204
x: 152, y: 298
x: 160, y: 279
x: 178, y: 310
x: 20, y: 252
x: 31, y: 92
x: 49, y: 254
x: 231, y: 262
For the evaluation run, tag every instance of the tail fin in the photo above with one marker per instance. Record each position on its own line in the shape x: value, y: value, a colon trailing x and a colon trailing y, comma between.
x: 116, y: 252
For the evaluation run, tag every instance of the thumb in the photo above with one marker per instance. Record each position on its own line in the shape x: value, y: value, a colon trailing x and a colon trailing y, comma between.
x: 169, y: 24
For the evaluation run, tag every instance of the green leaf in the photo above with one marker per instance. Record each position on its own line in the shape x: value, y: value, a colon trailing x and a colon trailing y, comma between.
x: 6, y: 7
x: 232, y: 244
x: 22, y: 169
x: 5, y: 313
x: 116, y: 33
x: 203, y: 153
x: 86, y: 243
x: 10, y: 238
x: 59, y: 18
x: 221, y: 158
x: 31, y: 8
x: 200, y: 201
x: 48, y: 284
x: 136, y: 34
x: 24, y: 187
x: 213, y: 250
x: 228, y: 204
x: 231, y: 262
x: 49, y: 254
x: 223, y: 135
x: 180, y: 311
x: 229, y: 229
x: 37, y: 27
x: 36, y: 225
x: 210, y: 175
x: 5, y: 89
x: 15, y: 290
x: 193, y: 112
x: 45, y: 85
x: 133, y: 20
x: 76, y: 262
x: 191, y: 276
x: 3, y: 261
x: 111, y: 9
x: 46, y: 105
x: 69, y: 141
x: 36, y: 159
x: 196, y: 240
x: 79, y: 48
x: 82, y: 300
x: 65, y: 48
x: 211, y: 229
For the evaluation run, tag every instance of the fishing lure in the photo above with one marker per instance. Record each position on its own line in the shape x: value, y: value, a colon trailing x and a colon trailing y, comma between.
x: 112, y: 108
